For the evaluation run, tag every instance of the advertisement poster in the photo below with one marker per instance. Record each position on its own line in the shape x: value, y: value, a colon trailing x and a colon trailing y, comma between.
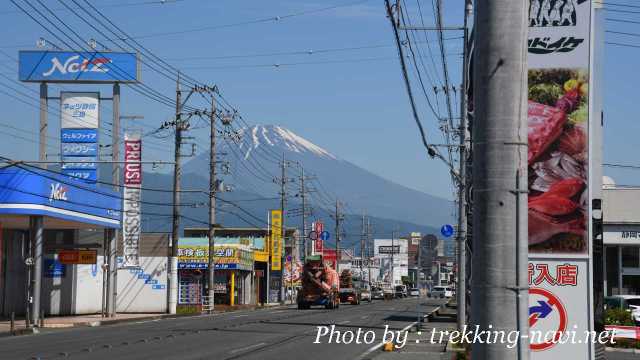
x: 132, y: 211
x: 292, y: 276
x: 79, y: 123
x: 558, y: 160
x: 276, y: 240
x: 80, y: 110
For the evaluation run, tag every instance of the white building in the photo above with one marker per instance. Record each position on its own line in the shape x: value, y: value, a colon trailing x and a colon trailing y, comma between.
x: 394, y: 259
x: 621, y: 235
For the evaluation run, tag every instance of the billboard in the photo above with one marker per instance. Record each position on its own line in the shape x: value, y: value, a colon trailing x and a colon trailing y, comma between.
x: 559, y: 160
x: 79, y: 123
x: 276, y: 240
x: 132, y: 211
x: 78, y: 66
x: 79, y: 110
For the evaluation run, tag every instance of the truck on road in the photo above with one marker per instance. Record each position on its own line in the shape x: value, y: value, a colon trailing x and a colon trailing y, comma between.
x: 319, y: 285
x: 348, y: 292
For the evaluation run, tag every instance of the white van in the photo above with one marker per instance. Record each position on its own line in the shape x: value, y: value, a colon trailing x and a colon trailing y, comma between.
x: 441, y: 292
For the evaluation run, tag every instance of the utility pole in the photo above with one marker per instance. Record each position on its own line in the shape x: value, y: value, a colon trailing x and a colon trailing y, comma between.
x: 212, y: 206
x: 338, y: 219
x: 112, y: 282
x: 362, y: 247
x: 461, y: 291
x: 173, y: 260
x: 500, y: 291
x: 303, y: 197
x: 283, y: 199
x: 369, y: 250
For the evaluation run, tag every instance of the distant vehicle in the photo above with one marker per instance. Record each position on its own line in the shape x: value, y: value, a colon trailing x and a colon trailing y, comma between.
x: 401, y: 291
x: 365, y: 294
x: 414, y: 292
x: 349, y: 292
x: 441, y: 292
x: 319, y: 285
x: 630, y: 303
x: 377, y: 293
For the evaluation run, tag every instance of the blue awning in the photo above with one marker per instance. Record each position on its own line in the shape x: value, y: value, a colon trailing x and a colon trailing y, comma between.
x: 33, y: 191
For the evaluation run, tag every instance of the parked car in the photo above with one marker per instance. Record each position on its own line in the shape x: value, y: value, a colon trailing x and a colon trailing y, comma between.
x: 401, y: 291
x: 630, y: 303
x: 414, y: 292
x: 441, y: 292
x: 377, y: 293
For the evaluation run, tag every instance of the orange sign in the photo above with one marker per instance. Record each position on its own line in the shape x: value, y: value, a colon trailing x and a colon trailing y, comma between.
x: 86, y: 257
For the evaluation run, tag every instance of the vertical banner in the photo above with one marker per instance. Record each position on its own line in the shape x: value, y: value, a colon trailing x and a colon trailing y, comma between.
x: 132, y: 217
x: 318, y: 244
x: 559, y: 54
x: 79, y: 123
x: 276, y: 240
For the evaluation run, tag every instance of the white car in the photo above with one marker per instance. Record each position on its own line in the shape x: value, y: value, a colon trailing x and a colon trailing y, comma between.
x: 414, y: 292
x: 630, y: 303
x: 441, y: 292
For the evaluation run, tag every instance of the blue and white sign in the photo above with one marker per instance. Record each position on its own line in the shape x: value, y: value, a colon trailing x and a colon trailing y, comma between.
x: 79, y: 135
x: 79, y: 163
x: 90, y: 176
x: 79, y: 149
x: 324, y: 236
x: 54, y: 269
x: 446, y: 230
x: 37, y: 192
x: 78, y: 66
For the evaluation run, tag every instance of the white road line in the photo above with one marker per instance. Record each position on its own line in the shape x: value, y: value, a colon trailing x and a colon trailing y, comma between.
x: 344, y: 322
x: 246, y: 348
x: 378, y: 346
x: 279, y: 311
x: 237, y: 316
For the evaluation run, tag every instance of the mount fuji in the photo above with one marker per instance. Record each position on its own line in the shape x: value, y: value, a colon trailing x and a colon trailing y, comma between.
x: 253, y: 155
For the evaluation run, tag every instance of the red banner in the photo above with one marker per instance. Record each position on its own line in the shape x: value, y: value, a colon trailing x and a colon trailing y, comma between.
x: 132, y: 159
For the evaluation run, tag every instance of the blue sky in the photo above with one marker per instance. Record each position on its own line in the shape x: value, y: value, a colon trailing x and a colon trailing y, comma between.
x: 355, y: 106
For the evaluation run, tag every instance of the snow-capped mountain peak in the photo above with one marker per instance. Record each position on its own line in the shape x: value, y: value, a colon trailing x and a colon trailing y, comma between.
x: 277, y: 136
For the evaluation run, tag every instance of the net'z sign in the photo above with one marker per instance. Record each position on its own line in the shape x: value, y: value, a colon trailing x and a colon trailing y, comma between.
x: 132, y: 221
x: 559, y: 112
x: 276, y: 240
x: 78, y: 66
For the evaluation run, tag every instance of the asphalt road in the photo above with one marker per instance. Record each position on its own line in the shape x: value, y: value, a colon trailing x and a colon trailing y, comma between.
x: 284, y: 333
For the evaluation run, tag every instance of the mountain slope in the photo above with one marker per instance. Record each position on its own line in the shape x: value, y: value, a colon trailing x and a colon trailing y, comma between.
x: 254, y: 157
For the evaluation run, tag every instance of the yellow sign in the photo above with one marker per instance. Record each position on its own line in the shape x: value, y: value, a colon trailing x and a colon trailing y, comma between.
x: 276, y: 240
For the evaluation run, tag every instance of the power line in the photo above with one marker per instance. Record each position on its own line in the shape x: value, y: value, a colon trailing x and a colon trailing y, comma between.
x: 105, y: 6
x: 276, y: 18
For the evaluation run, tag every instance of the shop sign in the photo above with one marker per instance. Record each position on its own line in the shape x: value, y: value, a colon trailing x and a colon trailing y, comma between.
x: 276, y: 240
x: 87, y: 257
x: 559, y: 129
x: 132, y: 210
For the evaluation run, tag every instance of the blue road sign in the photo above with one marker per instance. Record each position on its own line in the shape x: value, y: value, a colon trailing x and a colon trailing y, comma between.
x: 324, y: 236
x: 446, y: 230
x: 288, y: 257
x: 78, y: 66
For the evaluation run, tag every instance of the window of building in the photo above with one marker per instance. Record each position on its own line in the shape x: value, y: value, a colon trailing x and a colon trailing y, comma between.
x: 630, y: 257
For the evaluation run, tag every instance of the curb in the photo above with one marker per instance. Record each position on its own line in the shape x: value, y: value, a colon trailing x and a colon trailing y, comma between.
x: 33, y: 331
x: 622, y: 350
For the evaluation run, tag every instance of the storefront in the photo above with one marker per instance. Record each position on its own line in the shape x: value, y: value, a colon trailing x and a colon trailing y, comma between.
x: 233, y: 273
x: 621, y: 239
x: 54, y: 230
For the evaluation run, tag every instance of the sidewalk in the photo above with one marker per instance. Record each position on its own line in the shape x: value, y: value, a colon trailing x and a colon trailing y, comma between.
x: 97, y: 320
x: 419, y: 346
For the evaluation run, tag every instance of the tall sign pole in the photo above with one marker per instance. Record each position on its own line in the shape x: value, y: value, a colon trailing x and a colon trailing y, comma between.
x: 563, y: 56
x: 113, y: 241
x: 499, y: 165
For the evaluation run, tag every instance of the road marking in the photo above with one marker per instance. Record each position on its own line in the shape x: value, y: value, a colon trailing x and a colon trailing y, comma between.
x: 246, y: 348
x: 364, y: 317
x: 378, y: 346
x: 279, y: 311
x: 237, y: 316
x: 344, y: 322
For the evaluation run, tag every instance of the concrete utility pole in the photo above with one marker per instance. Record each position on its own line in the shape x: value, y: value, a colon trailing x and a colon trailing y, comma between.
x: 500, y: 297
x: 461, y: 291
x: 112, y: 283
x: 362, y: 247
x: 212, y: 206
x: 283, y: 200
x: 175, y: 228
x: 369, y: 250
x: 338, y: 219
x: 303, y: 197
